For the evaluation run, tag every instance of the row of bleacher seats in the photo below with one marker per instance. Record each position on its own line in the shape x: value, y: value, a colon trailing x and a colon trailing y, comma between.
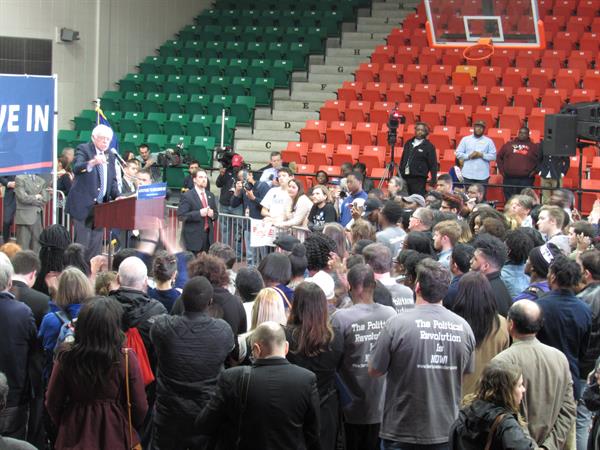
x: 256, y: 45
x: 288, y: 6
x: 502, y: 58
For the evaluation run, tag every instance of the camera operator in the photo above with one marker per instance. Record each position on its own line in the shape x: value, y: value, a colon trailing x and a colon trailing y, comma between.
x: 247, y: 195
x: 231, y: 164
x: 188, y: 182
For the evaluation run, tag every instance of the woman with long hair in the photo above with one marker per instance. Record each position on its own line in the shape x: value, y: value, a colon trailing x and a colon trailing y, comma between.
x: 314, y: 345
x: 491, y: 414
x: 336, y: 232
x: 322, y: 211
x: 86, y: 397
x: 475, y: 302
x: 74, y: 288
x: 53, y: 241
x: 300, y: 206
x: 75, y: 256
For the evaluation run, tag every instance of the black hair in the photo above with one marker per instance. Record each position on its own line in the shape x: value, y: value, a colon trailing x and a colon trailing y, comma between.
x: 590, y: 260
x: 318, y: 247
x: 298, y: 260
x: 461, y: 255
x: 392, y: 211
x: 359, y: 246
x: 476, y: 303
x: 433, y: 279
x: 359, y: 176
x: 25, y: 262
x: 360, y: 167
x: 361, y: 276
x: 353, y: 260
x: 223, y: 252
x: 164, y: 266
x: 197, y: 294
x: 524, y: 323
x: 534, y: 235
x: 275, y: 268
x: 53, y: 241
x: 405, y: 218
x: 445, y: 177
x: 96, y: 350
x: 419, y: 241
x: 248, y: 283
x: 410, y: 267
x: 75, y: 256
x: 121, y: 255
x: 567, y: 272
x: 493, y: 249
x: 519, y: 245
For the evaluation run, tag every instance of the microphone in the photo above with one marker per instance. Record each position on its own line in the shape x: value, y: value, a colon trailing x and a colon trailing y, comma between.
x: 116, y: 153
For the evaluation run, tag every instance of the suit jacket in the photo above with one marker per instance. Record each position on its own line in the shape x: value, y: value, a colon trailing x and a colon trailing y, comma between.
x: 192, y: 232
x: 38, y: 302
x: 86, y: 185
x: 555, y: 166
x: 126, y: 189
x: 28, y: 206
x: 9, y: 203
x: 420, y: 160
x: 282, y: 408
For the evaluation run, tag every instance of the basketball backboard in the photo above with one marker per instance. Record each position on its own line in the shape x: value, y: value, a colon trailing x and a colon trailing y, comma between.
x: 463, y: 23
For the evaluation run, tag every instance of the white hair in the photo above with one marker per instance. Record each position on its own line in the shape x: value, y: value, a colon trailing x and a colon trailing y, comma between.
x: 6, y: 272
x: 133, y: 273
x: 102, y: 130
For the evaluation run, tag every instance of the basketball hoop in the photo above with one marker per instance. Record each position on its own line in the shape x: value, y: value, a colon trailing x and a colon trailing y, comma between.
x: 480, y: 51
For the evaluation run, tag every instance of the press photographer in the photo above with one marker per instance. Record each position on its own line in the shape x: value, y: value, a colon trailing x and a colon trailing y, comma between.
x: 231, y: 163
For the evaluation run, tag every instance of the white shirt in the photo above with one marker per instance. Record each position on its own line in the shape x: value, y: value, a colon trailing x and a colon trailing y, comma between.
x: 277, y: 201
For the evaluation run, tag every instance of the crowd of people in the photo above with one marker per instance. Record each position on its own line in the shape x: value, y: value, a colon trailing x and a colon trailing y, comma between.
x: 406, y: 318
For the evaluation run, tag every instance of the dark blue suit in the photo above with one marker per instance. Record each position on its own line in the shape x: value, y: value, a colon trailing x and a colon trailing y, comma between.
x: 193, y: 235
x: 9, y: 206
x: 83, y: 194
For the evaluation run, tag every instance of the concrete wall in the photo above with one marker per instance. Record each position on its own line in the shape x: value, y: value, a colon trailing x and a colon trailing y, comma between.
x: 115, y: 35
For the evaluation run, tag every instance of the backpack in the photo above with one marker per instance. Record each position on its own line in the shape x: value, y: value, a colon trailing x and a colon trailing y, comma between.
x: 67, y: 330
x: 134, y: 342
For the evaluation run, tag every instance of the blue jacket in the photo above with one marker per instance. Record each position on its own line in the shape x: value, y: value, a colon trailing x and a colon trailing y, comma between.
x: 567, y: 327
x: 49, y: 331
x: 533, y: 291
x: 346, y: 208
x: 514, y: 278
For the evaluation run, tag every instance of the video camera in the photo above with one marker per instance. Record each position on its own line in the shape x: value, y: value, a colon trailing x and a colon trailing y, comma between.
x: 173, y: 157
x: 225, y: 156
x: 394, y: 122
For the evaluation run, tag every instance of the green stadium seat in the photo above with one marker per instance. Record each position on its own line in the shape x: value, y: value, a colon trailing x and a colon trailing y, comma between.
x: 277, y: 50
x: 206, y: 142
x: 273, y: 35
x: 68, y: 136
x: 126, y: 85
x: 136, y: 138
x: 137, y: 117
x: 84, y: 123
x: 129, y: 125
x: 176, y: 126
x: 203, y: 119
x: 256, y: 50
x: 252, y: 34
x: 151, y: 127
x: 198, y: 104
x: 298, y: 54
x: 170, y: 48
x: 218, y: 103
x: 315, y: 39
x: 208, y: 17
x: 214, y: 49
x: 234, y: 50
x: 114, y: 118
x: 85, y: 136
x: 295, y: 34
x: 151, y: 64
x: 231, y: 33
x: 218, y: 85
x: 175, y: 176
x: 188, y: 33
x: 215, y: 129
x: 243, y: 110
x: 180, y: 139
x: 259, y: 68
x: 193, y: 66
x: 157, y: 142
x: 262, y: 90
x: 281, y: 72
x: 215, y: 67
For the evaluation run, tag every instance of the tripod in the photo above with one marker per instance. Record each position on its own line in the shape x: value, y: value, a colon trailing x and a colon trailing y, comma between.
x: 394, y: 121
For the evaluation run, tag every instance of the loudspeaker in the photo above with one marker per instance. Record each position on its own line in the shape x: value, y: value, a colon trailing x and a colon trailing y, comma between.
x: 68, y: 35
x: 585, y: 111
x: 560, y: 135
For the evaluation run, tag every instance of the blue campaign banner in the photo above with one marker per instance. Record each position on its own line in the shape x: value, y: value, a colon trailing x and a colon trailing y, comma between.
x: 156, y: 190
x: 26, y: 124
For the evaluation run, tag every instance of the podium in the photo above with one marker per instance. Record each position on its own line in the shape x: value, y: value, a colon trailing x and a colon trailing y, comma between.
x: 130, y: 213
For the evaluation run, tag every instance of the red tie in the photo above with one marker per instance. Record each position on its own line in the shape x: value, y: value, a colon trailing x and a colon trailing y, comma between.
x: 204, y: 205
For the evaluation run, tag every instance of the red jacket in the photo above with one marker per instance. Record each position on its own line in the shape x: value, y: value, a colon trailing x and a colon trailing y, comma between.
x: 518, y: 158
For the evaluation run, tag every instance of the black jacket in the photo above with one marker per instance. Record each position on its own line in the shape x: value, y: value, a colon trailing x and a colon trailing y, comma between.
x: 225, y: 182
x: 554, y: 165
x: 470, y: 431
x: 192, y: 230
x: 139, y: 311
x: 420, y: 160
x: 191, y: 350
x: 281, y: 413
x: 38, y: 303
x: 591, y: 295
x: 19, y: 340
x: 501, y: 294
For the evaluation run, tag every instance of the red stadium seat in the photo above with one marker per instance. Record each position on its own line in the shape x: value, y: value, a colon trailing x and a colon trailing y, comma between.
x: 568, y: 79
x: 541, y: 78
x: 489, y: 114
x: 320, y: 154
x: 373, y: 156
x: 338, y: 133
x: 313, y: 132
x: 499, y: 96
x: 423, y: 93
x: 374, y: 92
x: 357, y: 111
x: 433, y: 115
x: 350, y: 91
x: 365, y: 134
x: 410, y: 111
x: 439, y: 74
x: 367, y: 72
x: 380, y: 113
x: 398, y: 92
x: 554, y: 98
x: 473, y: 95
x: 295, y: 152
x: 415, y: 73
x: 591, y: 80
x: 447, y: 95
x: 391, y: 73
x: 489, y: 76
x: 512, y: 117
x: 527, y: 98
x: 332, y: 110
x: 514, y: 77
x: 345, y: 153
x: 459, y: 116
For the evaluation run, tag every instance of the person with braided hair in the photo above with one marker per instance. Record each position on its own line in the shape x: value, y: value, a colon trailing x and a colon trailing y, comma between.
x: 54, y: 240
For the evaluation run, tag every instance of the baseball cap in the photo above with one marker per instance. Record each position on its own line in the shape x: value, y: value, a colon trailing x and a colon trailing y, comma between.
x: 415, y: 198
x: 286, y: 242
x: 237, y: 160
x: 480, y: 122
x: 372, y: 204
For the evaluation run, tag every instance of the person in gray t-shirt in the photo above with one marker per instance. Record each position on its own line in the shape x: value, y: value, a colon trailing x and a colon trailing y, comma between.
x: 379, y: 257
x: 360, y: 326
x: 392, y: 236
x: 424, y: 352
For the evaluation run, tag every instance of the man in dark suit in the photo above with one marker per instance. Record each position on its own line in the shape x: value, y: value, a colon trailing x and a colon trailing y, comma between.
x: 9, y: 205
x: 26, y: 265
x: 95, y: 182
x: 198, y: 212
x: 272, y: 405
